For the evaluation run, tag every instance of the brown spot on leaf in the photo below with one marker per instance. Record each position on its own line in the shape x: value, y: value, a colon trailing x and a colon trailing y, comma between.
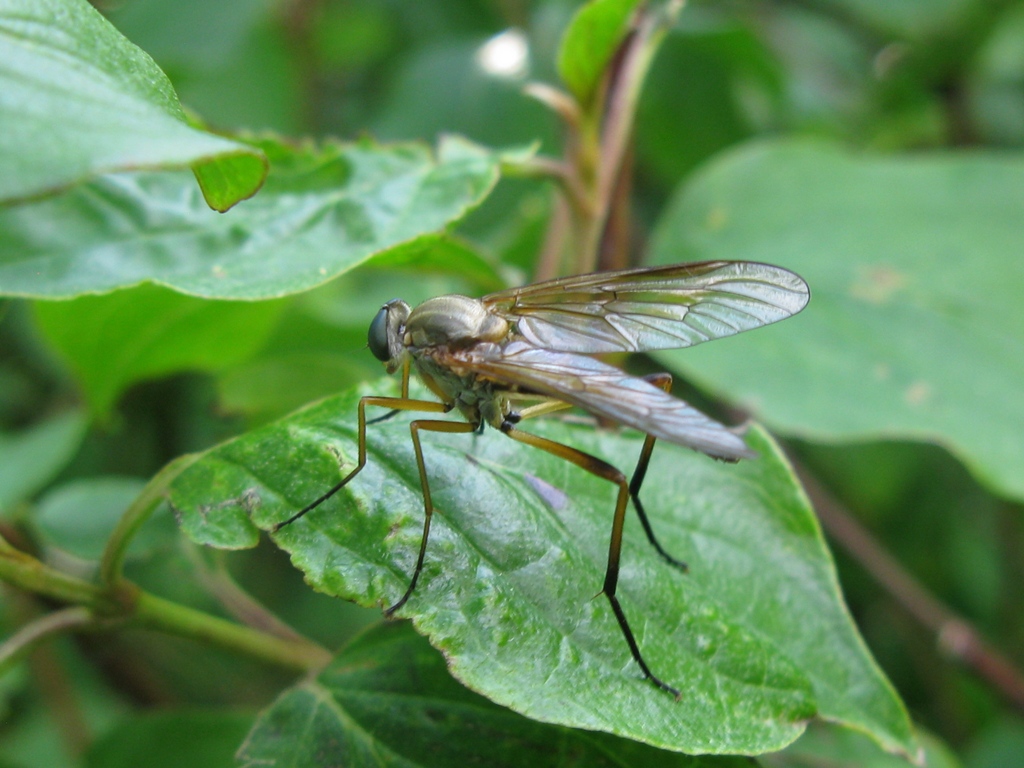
x: 878, y: 284
x: 717, y: 218
x: 917, y: 393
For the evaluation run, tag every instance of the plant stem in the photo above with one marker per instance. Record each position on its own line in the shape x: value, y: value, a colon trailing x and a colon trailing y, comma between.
x: 30, y: 634
x: 112, y: 561
x: 955, y: 635
x: 27, y: 573
x: 618, y: 113
x: 236, y: 601
x: 550, y: 262
x: 125, y: 602
x: 157, y: 613
x: 48, y: 669
x: 558, y: 171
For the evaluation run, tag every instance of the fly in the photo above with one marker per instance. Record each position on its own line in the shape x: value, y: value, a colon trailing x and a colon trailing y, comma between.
x: 487, y: 357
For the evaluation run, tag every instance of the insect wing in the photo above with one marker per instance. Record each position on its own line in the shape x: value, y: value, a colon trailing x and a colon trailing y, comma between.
x: 602, y: 390
x: 651, y: 307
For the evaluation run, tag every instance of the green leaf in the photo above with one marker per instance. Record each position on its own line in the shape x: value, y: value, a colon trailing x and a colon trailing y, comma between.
x: 589, y: 43
x: 915, y: 328
x: 31, y: 458
x: 826, y: 77
x: 324, y: 210
x: 995, y: 80
x: 829, y: 745
x: 445, y: 255
x: 115, y: 340
x: 1000, y: 743
x: 80, y: 100
x: 272, y: 384
x: 387, y: 699
x: 233, y: 62
x: 698, y: 72
x: 78, y: 517
x: 228, y: 180
x: 911, y: 20
x: 517, y: 554
x: 170, y: 740
x: 439, y: 87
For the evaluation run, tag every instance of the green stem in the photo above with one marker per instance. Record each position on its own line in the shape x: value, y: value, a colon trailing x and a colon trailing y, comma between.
x: 156, y: 613
x: 25, y: 572
x: 239, y: 604
x: 619, y: 112
x: 571, y: 215
x: 560, y: 172
x: 112, y: 561
x: 31, y: 634
x: 5, y: 547
x: 125, y: 602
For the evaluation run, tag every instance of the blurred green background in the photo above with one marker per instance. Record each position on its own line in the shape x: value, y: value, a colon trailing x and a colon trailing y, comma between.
x: 899, y: 79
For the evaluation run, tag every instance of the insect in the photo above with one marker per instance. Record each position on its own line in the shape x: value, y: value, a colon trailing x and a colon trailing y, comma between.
x: 488, y: 357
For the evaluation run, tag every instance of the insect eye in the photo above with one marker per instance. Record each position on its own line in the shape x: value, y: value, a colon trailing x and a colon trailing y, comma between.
x: 377, y: 338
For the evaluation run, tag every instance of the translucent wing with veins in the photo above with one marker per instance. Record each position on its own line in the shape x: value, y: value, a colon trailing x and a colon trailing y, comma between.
x: 650, y: 307
x: 602, y: 390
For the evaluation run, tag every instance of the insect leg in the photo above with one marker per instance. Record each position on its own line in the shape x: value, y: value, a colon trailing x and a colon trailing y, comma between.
x: 542, y: 409
x: 602, y: 469
x: 396, y: 404
x: 428, y: 504
x: 405, y: 396
x: 664, y: 382
x: 390, y: 414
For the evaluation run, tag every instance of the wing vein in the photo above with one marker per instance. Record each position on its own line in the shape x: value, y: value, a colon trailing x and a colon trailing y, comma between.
x: 652, y: 308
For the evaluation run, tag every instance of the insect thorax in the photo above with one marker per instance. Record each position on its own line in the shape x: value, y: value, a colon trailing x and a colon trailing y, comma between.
x: 476, y: 398
x: 452, y: 321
